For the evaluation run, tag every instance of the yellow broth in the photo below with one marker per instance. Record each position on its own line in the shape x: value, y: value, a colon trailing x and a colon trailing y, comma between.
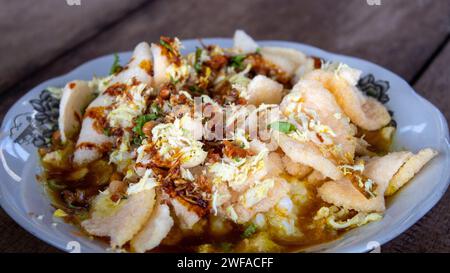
x: 201, y: 238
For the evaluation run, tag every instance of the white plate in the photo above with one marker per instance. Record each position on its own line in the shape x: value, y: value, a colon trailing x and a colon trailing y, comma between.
x: 420, y: 125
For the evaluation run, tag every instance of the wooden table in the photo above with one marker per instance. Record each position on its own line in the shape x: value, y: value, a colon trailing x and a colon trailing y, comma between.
x: 46, y: 38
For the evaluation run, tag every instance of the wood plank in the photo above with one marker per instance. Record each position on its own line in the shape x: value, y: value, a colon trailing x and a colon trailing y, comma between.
x: 15, y: 239
x: 435, y: 82
x: 400, y: 35
x: 429, y: 235
x: 34, y: 32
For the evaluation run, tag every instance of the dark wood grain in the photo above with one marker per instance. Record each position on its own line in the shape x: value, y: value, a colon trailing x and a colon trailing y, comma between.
x: 35, y: 32
x: 15, y: 239
x: 431, y: 234
x: 401, y: 35
x: 435, y: 82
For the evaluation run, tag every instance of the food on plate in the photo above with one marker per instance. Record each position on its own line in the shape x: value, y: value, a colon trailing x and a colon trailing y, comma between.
x: 241, y: 149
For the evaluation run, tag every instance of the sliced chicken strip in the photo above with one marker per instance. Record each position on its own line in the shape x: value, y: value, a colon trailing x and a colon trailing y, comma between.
x: 154, y: 231
x: 120, y: 221
x: 364, y: 111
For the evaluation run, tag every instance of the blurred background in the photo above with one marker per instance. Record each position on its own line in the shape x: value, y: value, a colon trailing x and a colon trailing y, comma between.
x: 46, y: 38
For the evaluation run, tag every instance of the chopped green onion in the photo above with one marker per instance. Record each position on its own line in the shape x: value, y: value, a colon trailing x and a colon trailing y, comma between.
x: 137, y: 140
x: 249, y: 231
x: 166, y: 45
x: 140, y: 121
x: 198, y: 64
x: 155, y: 109
x: 196, y: 90
x: 82, y: 215
x: 237, y: 61
x: 282, y: 126
x: 172, y: 80
x: 107, y: 131
x: 54, y: 185
x: 237, y: 159
x: 116, y: 65
x: 71, y: 206
x: 226, y: 247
